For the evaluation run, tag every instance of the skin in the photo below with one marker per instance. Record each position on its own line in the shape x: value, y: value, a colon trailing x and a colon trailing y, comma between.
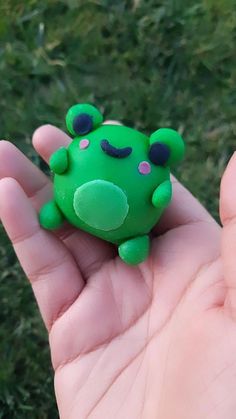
x: 154, y: 341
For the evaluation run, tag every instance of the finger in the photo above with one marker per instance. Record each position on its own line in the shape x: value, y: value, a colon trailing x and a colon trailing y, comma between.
x: 14, y: 164
x: 47, y: 139
x: 228, y: 219
x: 51, y: 269
x: 184, y: 209
x: 89, y: 252
x: 36, y: 185
x: 111, y: 122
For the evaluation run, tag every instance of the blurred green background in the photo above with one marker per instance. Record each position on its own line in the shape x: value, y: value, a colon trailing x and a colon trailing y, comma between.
x: 147, y: 63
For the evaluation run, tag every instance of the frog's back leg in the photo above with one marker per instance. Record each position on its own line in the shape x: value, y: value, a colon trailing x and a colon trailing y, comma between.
x: 50, y: 216
x: 135, y: 251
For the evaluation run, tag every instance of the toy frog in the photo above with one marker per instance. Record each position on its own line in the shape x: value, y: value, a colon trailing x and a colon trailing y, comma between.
x: 112, y: 181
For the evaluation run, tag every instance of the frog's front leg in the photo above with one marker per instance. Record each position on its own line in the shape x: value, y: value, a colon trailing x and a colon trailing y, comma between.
x: 50, y: 216
x: 162, y: 195
x: 58, y: 161
x: 135, y: 251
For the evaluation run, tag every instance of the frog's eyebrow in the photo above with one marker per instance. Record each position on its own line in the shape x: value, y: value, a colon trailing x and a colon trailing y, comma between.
x: 115, y: 151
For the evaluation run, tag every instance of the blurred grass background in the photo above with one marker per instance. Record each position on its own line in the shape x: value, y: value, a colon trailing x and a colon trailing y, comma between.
x: 147, y: 63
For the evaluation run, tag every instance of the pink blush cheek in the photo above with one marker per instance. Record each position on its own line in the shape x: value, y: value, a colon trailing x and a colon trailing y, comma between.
x: 83, y: 144
x: 144, y: 168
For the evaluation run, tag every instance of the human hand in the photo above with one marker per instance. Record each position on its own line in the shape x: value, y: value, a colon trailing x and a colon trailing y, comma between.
x: 156, y: 340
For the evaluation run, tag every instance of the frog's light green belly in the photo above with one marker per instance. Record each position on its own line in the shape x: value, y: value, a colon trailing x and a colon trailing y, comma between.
x: 101, y: 205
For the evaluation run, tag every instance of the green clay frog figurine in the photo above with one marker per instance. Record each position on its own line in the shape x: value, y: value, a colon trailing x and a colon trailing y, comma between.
x: 112, y: 181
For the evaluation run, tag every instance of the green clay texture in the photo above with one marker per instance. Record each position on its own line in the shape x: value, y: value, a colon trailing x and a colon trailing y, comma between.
x: 106, y: 184
x: 50, y: 216
x: 105, y: 217
x: 134, y: 251
x: 58, y: 161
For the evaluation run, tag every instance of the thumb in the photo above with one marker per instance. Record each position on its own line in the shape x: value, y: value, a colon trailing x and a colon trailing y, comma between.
x: 228, y: 219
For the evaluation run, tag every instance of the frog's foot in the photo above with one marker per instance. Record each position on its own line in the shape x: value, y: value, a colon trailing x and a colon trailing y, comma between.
x: 135, y: 251
x: 50, y: 216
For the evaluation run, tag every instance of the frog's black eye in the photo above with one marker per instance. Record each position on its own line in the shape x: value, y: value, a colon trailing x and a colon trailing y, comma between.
x: 159, y: 153
x: 82, y: 124
x: 82, y: 119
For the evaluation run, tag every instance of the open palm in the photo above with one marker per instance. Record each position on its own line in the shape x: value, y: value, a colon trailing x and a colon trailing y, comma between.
x: 153, y: 341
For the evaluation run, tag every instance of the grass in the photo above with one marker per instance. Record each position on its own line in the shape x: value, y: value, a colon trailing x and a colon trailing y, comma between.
x: 147, y: 63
